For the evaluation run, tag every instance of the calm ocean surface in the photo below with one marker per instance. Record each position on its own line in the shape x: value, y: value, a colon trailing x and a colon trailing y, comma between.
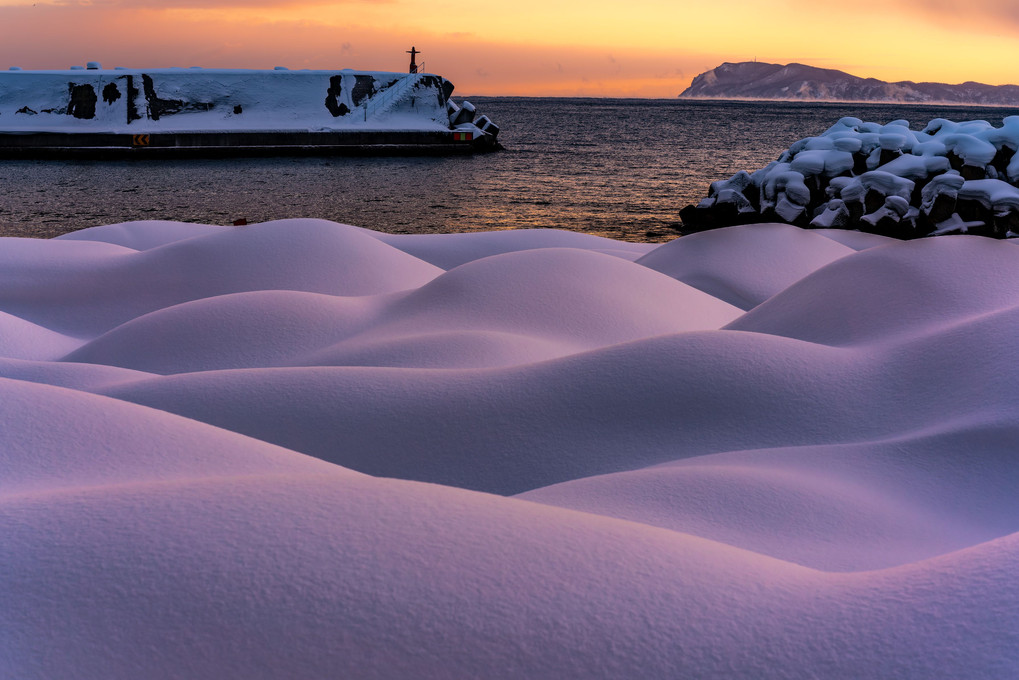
x: 613, y: 167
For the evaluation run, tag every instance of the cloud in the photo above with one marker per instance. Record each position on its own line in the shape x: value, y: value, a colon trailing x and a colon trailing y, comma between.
x: 47, y: 36
x: 989, y: 16
x: 981, y: 11
x: 50, y: 37
x: 127, y: 5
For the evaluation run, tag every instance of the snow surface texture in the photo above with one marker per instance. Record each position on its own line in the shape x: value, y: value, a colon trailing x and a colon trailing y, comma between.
x: 304, y: 449
x: 949, y: 178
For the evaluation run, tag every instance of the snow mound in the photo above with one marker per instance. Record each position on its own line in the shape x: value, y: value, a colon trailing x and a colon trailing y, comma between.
x: 304, y: 449
x: 239, y: 330
x: 85, y: 288
x: 337, y: 575
x: 470, y: 316
x: 881, y: 293
x: 143, y: 235
x: 848, y: 507
x: 71, y: 375
x: 452, y: 250
x: 857, y: 240
x: 586, y: 298
x: 130, y: 445
x: 747, y: 265
x: 20, y: 339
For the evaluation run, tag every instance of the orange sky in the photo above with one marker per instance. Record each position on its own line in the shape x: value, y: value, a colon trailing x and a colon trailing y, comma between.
x: 642, y: 48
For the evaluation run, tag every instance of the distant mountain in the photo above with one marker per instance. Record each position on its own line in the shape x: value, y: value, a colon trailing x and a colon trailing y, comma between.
x: 757, y: 80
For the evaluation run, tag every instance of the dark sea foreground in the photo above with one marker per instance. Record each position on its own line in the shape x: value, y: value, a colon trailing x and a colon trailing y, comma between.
x: 620, y: 168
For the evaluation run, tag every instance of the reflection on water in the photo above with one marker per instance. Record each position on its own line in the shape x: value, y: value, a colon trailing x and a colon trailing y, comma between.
x: 617, y: 168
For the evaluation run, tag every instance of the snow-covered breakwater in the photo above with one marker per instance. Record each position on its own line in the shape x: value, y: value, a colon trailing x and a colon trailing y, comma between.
x: 951, y: 177
x: 166, y: 110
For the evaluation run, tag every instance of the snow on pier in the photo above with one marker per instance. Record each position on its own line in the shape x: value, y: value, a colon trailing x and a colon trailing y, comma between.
x: 146, y: 108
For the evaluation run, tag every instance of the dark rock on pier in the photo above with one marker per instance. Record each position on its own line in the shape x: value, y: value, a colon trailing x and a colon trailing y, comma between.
x: 158, y: 106
x: 83, y: 101
x: 111, y: 93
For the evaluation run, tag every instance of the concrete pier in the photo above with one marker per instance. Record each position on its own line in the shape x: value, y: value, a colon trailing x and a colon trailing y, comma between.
x: 225, y: 144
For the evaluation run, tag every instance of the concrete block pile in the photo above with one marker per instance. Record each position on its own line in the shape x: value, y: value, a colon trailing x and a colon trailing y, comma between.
x: 949, y: 178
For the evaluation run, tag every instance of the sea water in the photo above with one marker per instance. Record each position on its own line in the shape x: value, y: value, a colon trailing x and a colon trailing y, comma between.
x: 620, y: 168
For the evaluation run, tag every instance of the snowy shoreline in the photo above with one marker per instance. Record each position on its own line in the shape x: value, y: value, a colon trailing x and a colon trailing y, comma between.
x: 309, y: 449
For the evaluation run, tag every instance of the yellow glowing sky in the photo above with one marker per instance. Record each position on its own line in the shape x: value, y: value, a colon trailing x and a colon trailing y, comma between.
x: 642, y: 48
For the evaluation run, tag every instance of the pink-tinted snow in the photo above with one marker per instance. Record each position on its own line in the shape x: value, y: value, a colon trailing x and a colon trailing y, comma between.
x: 305, y: 449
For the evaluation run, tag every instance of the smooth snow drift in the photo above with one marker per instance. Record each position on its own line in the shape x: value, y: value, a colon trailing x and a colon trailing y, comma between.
x: 304, y: 449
